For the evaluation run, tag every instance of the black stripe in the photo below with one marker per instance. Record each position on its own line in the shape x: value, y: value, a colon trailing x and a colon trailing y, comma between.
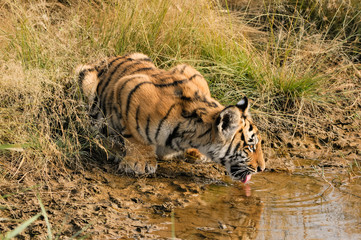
x: 191, y: 115
x: 227, y: 152
x: 162, y: 121
x: 103, y: 108
x: 242, y: 135
x: 156, y: 85
x: 147, y: 130
x: 211, y: 153
x: 104, y: 69
x: 188, y: 99
x: 112, y: 122
x: 119, y: 102
x: 205, y: 133
x: 140, y: 70
x: 172, y: 84
x: 127, y: 135
x: 130, y: 96
x: 125, y: 83
x: 172, y: 136
x: 187, y: 132
x: 105, y: 82
x: 199, y: 98
x: 137, y: 120
x: 236, y: 148
x: 104, y: 93
x: 230, y: 146
x: 93, y: 107
x: 118, y: 66
x: 117, y: 108
x: 183, y: 68
x: 81, y: 78
x: 195, y: 75
x: 196, y: 146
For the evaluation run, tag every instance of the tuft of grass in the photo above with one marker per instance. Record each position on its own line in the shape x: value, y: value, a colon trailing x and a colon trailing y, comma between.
x: 21, y: 227
x: 25, y: 224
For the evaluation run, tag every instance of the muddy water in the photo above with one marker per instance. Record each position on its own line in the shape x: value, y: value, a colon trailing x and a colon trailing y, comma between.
x: 271, y: 206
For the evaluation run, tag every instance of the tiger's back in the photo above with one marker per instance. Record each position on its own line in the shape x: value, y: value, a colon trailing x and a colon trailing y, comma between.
x: 162, y: 112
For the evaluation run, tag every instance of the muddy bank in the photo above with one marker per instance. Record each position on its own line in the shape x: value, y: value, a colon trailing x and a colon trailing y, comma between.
x: 192, y: 200
x: 99, y: 203
x: 336, y: 144
x: 184, y: 200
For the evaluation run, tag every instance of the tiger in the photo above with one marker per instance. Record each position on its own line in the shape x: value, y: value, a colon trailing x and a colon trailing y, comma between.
x: 158, y: 114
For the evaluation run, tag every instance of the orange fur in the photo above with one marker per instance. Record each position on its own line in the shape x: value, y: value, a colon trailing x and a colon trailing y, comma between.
x: 164, y: 113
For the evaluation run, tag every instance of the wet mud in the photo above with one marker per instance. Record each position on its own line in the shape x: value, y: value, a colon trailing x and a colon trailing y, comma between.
x: 188, y: 201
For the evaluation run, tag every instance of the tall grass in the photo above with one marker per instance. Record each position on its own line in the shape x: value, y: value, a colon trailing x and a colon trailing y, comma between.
x: 41, y: 43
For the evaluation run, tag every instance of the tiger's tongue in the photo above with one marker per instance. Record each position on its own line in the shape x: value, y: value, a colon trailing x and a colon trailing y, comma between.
x: 247, y: 178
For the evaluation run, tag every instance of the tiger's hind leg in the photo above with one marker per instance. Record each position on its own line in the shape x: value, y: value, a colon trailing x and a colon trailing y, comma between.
x: 139, y: 159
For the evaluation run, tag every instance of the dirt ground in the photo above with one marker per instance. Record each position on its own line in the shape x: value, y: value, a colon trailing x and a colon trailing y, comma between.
x: 100, y: 204
x: 96, y: 202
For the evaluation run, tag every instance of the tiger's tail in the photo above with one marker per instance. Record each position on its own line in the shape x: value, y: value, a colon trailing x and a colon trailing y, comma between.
x: 88, y: 81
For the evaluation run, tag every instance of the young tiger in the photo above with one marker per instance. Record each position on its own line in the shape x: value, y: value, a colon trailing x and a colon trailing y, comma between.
x: 159, y: 113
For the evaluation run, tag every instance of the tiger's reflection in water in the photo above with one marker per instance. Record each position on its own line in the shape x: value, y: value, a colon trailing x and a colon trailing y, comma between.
x: 222, y: 212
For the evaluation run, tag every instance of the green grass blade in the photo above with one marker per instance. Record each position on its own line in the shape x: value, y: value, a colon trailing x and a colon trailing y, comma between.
x: 12, y: 147
x: 45, y: 217
x: 21, y: 227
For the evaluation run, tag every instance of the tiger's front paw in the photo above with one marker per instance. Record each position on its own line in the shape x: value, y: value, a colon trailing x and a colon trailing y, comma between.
x: 138, y: 166
x: 193, y: 155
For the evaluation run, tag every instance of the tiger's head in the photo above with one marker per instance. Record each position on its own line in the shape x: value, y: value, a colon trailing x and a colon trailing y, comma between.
x: 239, y: 143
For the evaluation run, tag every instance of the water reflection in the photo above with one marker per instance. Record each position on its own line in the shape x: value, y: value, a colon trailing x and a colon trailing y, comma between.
x: 221, y: 213
x: 305, y: 207
x: 272, y: 206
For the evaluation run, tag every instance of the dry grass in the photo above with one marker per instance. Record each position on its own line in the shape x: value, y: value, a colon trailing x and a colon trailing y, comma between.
x: 292, y: 70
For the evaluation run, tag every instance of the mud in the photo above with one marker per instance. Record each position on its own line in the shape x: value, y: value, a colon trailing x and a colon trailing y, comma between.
x: 188, y: 201
x: 101, y: 204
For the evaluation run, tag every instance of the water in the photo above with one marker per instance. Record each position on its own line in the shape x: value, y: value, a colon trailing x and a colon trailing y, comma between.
x: 271, y: 206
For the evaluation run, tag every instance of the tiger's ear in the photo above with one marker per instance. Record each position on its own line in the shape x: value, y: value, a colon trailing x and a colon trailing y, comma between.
x: 227, y: 122
x: 243, y: 105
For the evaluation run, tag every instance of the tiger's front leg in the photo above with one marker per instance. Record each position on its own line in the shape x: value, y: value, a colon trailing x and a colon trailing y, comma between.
x: 139, y: 159
x: 190, y: 154
x: 194, y: 155
x: 164, y: 153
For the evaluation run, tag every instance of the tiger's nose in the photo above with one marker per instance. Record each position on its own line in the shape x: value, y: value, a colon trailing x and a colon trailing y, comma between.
x: 260, y: 169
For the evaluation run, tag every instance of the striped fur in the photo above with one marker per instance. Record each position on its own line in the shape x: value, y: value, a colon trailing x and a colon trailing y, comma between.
x: 162, y: 113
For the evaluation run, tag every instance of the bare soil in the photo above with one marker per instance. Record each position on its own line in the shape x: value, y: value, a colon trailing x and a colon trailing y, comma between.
x: 99, y: 203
